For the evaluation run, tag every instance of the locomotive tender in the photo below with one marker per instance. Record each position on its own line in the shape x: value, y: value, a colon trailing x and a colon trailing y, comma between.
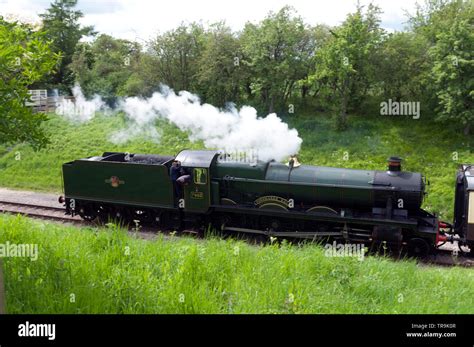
x: 269, y: 198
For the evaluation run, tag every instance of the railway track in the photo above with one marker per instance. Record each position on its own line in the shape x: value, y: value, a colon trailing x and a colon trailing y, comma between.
x: 443, y: 257
x: 57, y: 214
x: 38, y: 211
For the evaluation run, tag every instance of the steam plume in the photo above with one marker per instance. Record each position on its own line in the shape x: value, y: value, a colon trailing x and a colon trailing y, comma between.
x: 231, y: 129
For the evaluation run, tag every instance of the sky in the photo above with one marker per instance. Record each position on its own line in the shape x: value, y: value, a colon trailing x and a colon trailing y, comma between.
x: 142, y: 19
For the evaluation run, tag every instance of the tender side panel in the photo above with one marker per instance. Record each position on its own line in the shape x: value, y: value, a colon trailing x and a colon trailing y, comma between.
x: 118, y: 182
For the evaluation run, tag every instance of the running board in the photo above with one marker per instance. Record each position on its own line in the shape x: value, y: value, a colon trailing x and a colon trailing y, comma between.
x: 295, y: 234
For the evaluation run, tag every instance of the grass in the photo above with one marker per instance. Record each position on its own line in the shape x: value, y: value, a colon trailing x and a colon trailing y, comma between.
x: 108, y: 271
x: 427, y: 147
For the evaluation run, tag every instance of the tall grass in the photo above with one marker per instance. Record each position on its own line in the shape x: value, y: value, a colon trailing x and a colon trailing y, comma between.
x: 90, y: 270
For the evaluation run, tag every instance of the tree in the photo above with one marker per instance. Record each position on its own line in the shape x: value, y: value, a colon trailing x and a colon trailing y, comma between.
x: 104, y: 66
x: 219, y: 70
x: 345, y: 64
x: 177, y: 54
x: 453, y: 63
x: 448, y: 28
x: 318, y: 38
x: 143, y: 80
x: 61, y: 25
x: 402, y: 65
x: 25, y: 57
x: 275, y: 51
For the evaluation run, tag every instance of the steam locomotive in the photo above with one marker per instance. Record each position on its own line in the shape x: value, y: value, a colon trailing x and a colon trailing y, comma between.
x: 269, y: 198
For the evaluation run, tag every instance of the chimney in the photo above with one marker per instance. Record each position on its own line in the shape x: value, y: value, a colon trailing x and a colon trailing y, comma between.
x: 394, y: 164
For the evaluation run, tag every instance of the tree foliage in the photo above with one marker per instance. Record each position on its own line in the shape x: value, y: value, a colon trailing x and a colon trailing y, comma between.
x: 453, y: 63
x: 104, y: 66
x: 220, y: 73
x: 345, y: 65
x: 402, y: 64
x: 177, y: 55
x: 275, y: 51
x: 25, y: 57
x: 281, y: 61
x: 61, y: 26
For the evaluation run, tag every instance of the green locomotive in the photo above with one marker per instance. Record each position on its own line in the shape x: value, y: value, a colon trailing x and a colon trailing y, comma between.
x: 268, y: 198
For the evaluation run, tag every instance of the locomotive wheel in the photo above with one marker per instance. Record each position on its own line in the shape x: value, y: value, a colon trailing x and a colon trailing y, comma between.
x: 271, y: 223
x: 122, y: 217
x: 162, y: 219
x: 224, y: 221
x: 471, y: 248
x: 418, y: 248
x: 273, y: 206
x: 322, y: 209
x: 88, y: 213
x: 227, y: 201
x: 144, y: 216
x: 103, y: 213
x: 219, y: 222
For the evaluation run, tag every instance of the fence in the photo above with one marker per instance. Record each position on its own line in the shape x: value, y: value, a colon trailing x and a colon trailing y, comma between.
x: 41, y: 102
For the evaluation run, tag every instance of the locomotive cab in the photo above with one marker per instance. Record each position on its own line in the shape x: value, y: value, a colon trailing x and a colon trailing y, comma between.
x: 197, y: 193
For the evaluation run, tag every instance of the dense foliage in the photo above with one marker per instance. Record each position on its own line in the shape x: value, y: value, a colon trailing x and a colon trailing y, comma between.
x: 282, y: 63
x: 60, y: 24
x: 25, y: 57
x: 103, y: 67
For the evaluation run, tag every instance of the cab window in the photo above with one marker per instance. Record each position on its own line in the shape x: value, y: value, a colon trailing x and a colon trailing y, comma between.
x: 200, y: 176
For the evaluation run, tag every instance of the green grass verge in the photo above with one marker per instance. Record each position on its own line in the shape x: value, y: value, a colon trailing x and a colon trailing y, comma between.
x: 108, y: 271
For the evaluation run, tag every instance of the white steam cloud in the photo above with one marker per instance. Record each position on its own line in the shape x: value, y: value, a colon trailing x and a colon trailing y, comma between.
x: 230, y: 130
x: 81, y: 110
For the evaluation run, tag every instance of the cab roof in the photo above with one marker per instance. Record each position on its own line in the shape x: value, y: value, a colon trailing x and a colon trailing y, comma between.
x: 468, y: 170
x: 202, y: 158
